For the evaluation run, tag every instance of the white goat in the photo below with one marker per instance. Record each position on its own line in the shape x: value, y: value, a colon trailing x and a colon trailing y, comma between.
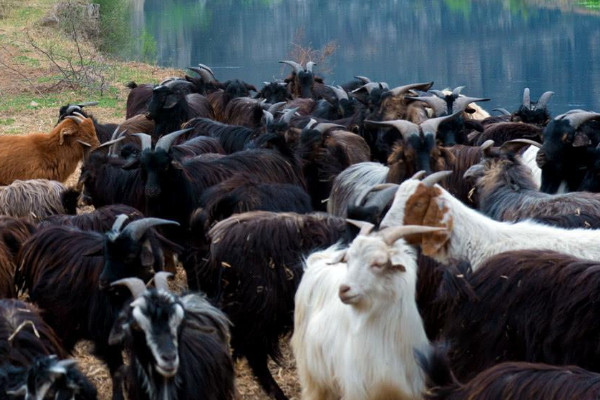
x: 473, y: 237
x: 356, y: 328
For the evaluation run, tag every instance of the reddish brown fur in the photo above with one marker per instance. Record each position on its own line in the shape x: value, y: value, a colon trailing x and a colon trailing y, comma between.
x: 422, y: 208
x: 13, y: 232
x: 354, y: 146
x: 51, y: 155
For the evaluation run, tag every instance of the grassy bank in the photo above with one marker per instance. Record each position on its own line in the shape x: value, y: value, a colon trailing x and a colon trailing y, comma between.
x: 40, y: 65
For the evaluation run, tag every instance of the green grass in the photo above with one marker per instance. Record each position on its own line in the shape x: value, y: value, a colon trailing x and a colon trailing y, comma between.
x: 7, y: 121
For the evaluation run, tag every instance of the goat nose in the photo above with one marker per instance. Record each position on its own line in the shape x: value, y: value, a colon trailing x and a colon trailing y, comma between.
x: 344, y: 289
x: 169, y: 357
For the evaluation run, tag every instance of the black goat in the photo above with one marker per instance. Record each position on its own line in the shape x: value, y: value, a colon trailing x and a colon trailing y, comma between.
x: 178, y: 345
x: 65, y: 270
x: 563, y: 156
x: 253, y: 278
x: 274, y: 92
x: 505, y: 190
x: 232, y: 89
x: 508, y: 380
x: 532, y: 305
x: 13, y: 232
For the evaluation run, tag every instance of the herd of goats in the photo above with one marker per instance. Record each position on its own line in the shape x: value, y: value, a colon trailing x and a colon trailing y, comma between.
x: 412, y: 245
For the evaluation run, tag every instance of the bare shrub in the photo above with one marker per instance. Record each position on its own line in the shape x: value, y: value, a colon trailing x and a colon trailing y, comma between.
x: 302, y: 53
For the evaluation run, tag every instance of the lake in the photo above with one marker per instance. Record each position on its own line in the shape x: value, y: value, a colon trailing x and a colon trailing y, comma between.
x: 494, y: 48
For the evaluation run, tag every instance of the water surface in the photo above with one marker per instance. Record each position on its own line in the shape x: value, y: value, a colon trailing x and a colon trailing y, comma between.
x: 494, y: 48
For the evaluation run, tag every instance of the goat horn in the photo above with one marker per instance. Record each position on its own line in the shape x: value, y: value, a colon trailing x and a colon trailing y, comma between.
x: 363, y: 79
x: 457, y: 90
x: 379, y: 195
x: 392, y: 234
x: 406, y: 128
x: 136, y: 229
x: 288, y: 114
x: 543, y: 100
x: 368, y: 87
x: 88, y: 104
x: 205, y: 75
x: 502, y: 111
x: 161, y: 280
x: 431, y: 125
x: 115, y: 133
x: 74, y: 118
x: 526, y: 98
x: 462, y: 102
x: 439, y: 106
x: 435, y: 178
x: 310, y: 65
x: 418, y: 175
x: 323, y: 126
x: 273, y: 107
x: 339, y: 92
x: 268, y: 118
x: 206, y: 67
x: 121, y: 218
x: 419, y: 86
x: 110, y: 143
x: 86, y: 144
x: 297, y: 67
x: 365, y: 227
x: 578, y: 118
x: 135, y: 285
x: 166, y: 141
x: 486, y: 145
x: 527, y: 141
x: 145, y: 140
x: 310, y: 123
x: 72, y: 108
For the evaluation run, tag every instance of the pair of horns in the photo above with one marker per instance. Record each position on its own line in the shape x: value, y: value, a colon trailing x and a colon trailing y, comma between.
x: 164, y: 142
x: 137, y: 287
x: 136, y: 229
x: 392, y: 234
x: 541, y: 103
x: 77, y: 117
x: 298, y: 67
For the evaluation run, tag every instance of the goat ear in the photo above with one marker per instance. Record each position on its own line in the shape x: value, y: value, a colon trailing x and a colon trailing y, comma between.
x: 64, y: 132
x: 20, y: 391
x: 170, y: 102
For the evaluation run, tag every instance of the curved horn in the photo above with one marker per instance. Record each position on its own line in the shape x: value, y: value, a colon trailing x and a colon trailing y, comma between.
x: 204, y: 74
x: 136, y: 229
x: 406, y: 128
x: 486, y: 145
x: 543, y: 100
x: 431, y: 125
x: 135, y: 285
x: 365, y: 227
x: 268, y: 117
x: 368, y: 87
x: 502, y: 111
x: 527, y: 141
x: 439, y: 106
x: 145, y: 140
x: 110, y: 142
x: 310, y: 124
x: 418, y: 86
x: 379, y: 195
x: 71, y: 108
x: 435, y: 178
x: 578, y: 118
x: 392, y: 234
x: 463, y: 101
x: 288, y: 114
x: 363, y: 79
x: 323, y: 126
x: 121, y: 218
x: 297, y: 67
x: 86, y: 144
x: 526, y: 98
x: 273, y: 107
x: 310, y: 65
x: 161, y: 280
x: 166, y: 141
x: 206, y: 67
x: 75, y: 118
x: 419, y: 175
x: 339, y: 92
x: 457, y: 90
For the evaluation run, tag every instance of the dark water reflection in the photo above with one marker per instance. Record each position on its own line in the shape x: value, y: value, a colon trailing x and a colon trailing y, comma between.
x: 494, y: 48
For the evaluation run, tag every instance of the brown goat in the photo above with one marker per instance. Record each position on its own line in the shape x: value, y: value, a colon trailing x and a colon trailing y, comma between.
x: 51, y: 155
